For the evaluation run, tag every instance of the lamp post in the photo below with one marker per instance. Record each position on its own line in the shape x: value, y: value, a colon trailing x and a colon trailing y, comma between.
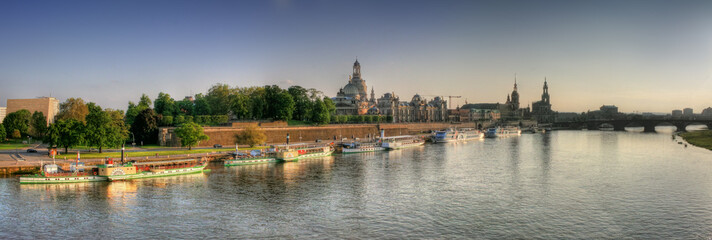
x: 133, y: 139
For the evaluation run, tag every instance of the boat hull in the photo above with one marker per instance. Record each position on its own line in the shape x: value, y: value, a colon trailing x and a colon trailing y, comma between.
x: 152, y: 174
x: 361, y: 150
x: 404, y: 145
x: 238, y: 162
x: 309, y: 155
x: 63, y: 179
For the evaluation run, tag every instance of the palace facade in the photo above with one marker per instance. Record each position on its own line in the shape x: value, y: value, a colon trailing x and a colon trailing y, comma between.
x: 352, y: 99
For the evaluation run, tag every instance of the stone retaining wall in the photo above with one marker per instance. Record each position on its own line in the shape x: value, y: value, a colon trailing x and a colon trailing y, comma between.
x: 277, y: 135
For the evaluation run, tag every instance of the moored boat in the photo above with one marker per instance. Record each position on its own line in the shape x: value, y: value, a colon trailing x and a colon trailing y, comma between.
x: 455, y: 135
x: 503, y: 132
x: 255, y: 157
x: 52, y: 173
x: 400, y: 142
x: 131, y: 170
x: 295, y: 152
x: 359, y: 147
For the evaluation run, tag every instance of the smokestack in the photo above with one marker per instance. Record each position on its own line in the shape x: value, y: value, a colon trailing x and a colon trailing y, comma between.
x: 122, y: 154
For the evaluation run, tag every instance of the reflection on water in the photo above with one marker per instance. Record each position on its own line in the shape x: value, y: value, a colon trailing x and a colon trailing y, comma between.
x: 559, y: 185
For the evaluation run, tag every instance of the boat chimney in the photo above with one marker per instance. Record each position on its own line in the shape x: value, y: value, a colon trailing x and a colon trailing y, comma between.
x: 122, y: 154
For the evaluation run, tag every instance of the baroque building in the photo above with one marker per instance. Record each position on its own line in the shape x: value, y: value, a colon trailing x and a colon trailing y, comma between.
x: 541, y: 110
x: 353, y: 100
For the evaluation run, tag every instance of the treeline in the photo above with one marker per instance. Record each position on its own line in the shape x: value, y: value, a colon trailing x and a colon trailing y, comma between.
x: 77, y: 123
x: 81, y: 123
x: 222, y: 103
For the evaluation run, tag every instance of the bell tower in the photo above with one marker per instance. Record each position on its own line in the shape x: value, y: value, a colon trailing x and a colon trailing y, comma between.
x: 545, y: 95
x: 357, y: 69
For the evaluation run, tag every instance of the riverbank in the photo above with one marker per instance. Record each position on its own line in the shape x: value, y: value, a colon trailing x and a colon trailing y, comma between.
x: 701, y: 139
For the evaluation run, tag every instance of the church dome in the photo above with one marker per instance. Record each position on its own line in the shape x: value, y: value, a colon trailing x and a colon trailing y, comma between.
x: 351, y: 90
x: 416, y: 98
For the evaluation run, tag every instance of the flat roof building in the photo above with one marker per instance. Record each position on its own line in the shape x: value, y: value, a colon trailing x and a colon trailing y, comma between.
x: 3, y: 113
x: 49, y: 106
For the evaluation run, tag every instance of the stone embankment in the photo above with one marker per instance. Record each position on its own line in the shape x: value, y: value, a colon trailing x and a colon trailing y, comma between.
x: 277, y: 134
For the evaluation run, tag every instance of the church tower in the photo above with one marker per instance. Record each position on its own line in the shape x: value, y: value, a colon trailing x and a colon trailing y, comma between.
x: 357, y: 69
x: 515, y: 95
x: 545, y: 95
x: 373, y: 96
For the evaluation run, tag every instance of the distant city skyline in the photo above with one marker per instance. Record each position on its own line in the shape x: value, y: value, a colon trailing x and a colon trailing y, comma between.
x: 642, y: 56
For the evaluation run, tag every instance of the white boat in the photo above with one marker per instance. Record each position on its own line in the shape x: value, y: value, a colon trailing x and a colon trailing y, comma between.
x: 455, y: 135
x: 295, y: 152
x: 359, y: 147
x: 503, y: 132
x: 400, y: 142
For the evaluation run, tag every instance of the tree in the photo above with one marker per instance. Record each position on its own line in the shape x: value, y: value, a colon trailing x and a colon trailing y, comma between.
x: 38, y: 124
x: 145, y: 102
x: 302, y: 103
x: 185, y: 107
x: 16, y: 134
x: 73, y: 108
x: 201, y: 107
x: 105, y: 128
x: 218, y: 98
x: 18, y: 120
x: 3, y: 134
x: 283, y: 106
x: 164, y: 105
x: 190, y: 134
x: 257, y: 102
x: 330, y: 106
x: 252, y: 135
x: 320, y: 114
x: 145, y: 127
x: 239, y: 105
x: 65, y: 133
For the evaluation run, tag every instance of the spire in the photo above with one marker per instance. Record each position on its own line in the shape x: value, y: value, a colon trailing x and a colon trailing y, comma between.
x: 515, y: 82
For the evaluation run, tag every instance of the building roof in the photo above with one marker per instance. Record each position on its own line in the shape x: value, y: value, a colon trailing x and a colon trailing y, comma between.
x: 481, y: 106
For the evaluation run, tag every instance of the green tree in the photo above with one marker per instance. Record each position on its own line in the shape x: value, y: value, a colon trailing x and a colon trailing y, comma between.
x: 167, y: 121
x: 144, y: 103
x: 98, y: 127
x: 218, y: 98
x: 320, y: 114
x: 257, y: 102
x: 131, y: 113
x: 16, y: 134
x: 190, y: 134
x: 65, y: 133
x: 330, y: 106
x: 302, y: 103
x: 3, y: 134
x: 201, y: 107
x: 283, y: 106
x: 18, y: 120
x: 251, y: 135
x: 185, y: 107
x: 164, y: 105
x: 180, y: 119
x: 145, y: 127
x: 118, y: 123
x: 239, y: 105
x: 38, y: 124
x: 73, y: 108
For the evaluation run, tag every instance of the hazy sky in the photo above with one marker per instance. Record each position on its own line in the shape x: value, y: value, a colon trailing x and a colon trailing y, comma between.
x: 645, y: 56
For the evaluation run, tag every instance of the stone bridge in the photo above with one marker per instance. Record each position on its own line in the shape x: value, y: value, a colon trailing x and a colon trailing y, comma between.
x: 647, y: 124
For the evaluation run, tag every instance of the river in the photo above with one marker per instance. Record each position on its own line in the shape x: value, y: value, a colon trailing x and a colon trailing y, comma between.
x: 564, y: 184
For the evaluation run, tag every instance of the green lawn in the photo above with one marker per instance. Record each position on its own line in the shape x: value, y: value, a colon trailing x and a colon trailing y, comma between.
x: 701, y: 139
x: 6, y: 146
x: 298, y: 123
x: 73, y: 154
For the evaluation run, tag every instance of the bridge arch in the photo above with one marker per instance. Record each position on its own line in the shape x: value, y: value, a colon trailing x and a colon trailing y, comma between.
x: 693, y: 126
x: 662, y: 126
x: 634, y: 127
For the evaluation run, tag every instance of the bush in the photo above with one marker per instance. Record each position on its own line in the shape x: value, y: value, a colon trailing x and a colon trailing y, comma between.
x: 252, y: 135
x: 180, y: 119
x: 167, y: 121
x: 3, y: 134
x: 16, y: 134
x: 188, y: 119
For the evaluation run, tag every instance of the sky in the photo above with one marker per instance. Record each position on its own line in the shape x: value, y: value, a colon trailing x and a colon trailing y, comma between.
x: 642, y: 56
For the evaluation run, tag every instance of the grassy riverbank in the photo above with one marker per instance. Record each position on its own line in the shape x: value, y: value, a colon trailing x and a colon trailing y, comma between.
x: 701, y: 139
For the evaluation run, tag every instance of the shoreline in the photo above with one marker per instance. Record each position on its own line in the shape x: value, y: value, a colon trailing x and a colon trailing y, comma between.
x: 702, y: 139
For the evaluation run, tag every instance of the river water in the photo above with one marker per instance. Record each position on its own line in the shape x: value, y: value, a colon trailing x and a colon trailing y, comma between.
x: 564, y: 184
